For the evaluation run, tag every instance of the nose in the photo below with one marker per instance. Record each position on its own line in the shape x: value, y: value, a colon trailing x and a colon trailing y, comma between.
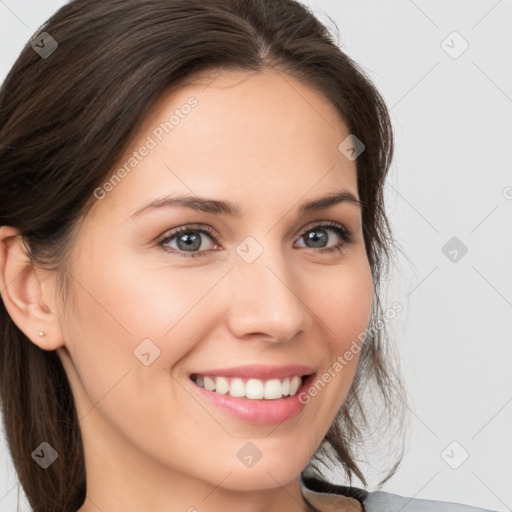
x: 267, y: 300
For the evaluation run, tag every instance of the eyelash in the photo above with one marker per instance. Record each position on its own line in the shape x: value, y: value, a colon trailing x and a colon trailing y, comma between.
x: 340, y: 230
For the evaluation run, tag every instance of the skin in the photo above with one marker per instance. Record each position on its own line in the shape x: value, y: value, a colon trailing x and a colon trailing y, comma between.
x: 269, y: 143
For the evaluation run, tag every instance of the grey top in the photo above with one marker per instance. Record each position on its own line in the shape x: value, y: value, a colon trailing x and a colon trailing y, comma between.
x: 327, y: 497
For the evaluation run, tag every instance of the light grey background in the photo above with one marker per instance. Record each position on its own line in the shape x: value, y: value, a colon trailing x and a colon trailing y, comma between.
x: 451, y: 177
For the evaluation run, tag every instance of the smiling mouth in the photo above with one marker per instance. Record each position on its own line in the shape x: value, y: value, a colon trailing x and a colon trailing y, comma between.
x: 250, y: 388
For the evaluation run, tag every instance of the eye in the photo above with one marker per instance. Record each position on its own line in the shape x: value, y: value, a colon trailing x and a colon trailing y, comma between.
x: 189, y: 239
x: 317, y: 235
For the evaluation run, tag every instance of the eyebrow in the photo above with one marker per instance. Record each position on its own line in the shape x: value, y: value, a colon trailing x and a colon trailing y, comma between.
x: 216, y: 207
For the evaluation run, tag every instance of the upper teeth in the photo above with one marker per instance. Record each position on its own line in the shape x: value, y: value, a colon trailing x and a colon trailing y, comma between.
x: 250, y: 388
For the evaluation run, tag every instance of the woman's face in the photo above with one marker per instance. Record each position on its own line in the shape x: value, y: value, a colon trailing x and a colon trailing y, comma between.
x: 262, y: 288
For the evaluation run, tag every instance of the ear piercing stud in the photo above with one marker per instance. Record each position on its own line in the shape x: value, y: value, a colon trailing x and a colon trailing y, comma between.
x: 41, y: 333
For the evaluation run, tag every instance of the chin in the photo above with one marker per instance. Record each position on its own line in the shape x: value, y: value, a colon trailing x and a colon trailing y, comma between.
x: 259, y: 477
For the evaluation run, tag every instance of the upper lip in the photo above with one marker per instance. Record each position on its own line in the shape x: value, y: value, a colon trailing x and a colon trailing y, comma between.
x: 259, y: 371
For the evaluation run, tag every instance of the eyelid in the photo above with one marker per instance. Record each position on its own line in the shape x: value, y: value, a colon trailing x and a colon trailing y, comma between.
x: 322, y: 223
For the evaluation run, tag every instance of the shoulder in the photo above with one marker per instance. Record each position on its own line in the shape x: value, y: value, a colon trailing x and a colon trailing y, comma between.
x: 327, y: 497
x: 386, y: 502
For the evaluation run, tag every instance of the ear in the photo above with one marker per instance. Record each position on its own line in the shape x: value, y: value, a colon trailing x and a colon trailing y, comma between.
x: 27, y: 292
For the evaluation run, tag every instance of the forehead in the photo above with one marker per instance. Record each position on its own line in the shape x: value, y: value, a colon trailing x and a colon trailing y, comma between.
x: 240, y: 134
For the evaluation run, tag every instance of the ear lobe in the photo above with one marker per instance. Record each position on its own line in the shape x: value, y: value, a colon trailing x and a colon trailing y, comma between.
x: 28, y: 302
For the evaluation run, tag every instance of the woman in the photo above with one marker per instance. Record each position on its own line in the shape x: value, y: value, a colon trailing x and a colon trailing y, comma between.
x: 192, y: 243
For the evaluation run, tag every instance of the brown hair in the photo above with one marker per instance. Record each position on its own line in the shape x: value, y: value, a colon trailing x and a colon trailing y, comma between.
x: 65, y: 120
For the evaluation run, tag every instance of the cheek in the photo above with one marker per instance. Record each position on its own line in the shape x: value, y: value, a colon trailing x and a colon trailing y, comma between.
x: 117, y: 322
x: 126, y: 302
x: 344, y: 304
x: 132, y: 324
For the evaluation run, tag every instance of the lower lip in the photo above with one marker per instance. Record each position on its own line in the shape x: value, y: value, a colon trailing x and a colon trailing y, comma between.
x: 262, y: 412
